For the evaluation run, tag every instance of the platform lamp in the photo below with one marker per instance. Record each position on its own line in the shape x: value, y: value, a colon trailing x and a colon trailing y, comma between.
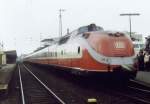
x: 130, y: 14
x: 60, y: 21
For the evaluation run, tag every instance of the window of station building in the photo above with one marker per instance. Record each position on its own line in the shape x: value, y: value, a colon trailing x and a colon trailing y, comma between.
x: 136, y: 46
x: 64, y: 40
x: 141, y: 45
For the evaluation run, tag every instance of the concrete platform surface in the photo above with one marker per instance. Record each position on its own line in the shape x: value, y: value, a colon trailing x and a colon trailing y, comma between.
x: 143, y: 77
x: 5, y: 75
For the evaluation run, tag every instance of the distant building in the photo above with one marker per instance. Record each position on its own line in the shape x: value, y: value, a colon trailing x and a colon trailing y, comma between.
x: 11, y: 56
x: 135, y: 36
x: 2, y: 56
x: 138, y: 41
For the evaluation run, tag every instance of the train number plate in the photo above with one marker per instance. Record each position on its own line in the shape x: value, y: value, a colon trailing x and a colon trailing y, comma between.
x: 119, y: 44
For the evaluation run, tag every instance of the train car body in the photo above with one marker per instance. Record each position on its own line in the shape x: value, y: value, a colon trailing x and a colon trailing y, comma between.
x: 88, y: 50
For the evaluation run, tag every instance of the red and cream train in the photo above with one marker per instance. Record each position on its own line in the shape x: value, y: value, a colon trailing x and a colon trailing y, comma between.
x: 90, y: 49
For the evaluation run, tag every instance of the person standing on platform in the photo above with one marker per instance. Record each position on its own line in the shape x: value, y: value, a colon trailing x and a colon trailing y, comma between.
x: 147, y: 61
x: 140, y: 58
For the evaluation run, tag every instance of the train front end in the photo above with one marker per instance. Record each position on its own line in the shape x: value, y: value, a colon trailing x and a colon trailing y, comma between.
x: 109, y: 52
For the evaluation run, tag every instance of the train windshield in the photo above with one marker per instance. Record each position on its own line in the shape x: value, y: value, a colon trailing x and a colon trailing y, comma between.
x: 83, y: 29
x: 91, y: 27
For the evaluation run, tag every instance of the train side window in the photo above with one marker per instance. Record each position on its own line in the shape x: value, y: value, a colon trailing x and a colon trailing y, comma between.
x: 51, y: 54
x: 78, y: 50
x: 44, y: 54
x: 61, y: 52
x: 55, y: 54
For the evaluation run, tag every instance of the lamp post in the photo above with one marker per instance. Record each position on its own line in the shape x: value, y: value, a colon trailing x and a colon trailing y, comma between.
x: 130, y: 14
x: 60, y: 21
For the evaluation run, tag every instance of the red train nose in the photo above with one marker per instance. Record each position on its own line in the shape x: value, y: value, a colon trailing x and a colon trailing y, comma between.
x: 112, y: 46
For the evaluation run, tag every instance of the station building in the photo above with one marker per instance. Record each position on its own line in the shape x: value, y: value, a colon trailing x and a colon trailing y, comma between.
x: 2, y: 56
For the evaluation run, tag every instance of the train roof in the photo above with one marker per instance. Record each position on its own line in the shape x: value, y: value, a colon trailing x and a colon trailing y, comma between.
x: 80, y: 30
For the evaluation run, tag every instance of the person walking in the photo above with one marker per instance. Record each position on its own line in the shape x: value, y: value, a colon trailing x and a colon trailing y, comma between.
x: 141, y: 60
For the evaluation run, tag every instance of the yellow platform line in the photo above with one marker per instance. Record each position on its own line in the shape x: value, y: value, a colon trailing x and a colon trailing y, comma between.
x: 3, y: 86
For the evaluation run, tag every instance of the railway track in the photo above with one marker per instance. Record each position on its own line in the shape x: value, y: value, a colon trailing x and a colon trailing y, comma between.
x: 34, y: 91
x: 139, y: 89
x: 139, y: 85
x: 138, y: 92
x: 138, y: 97
x: 135, y: 85
x: 80, y: 89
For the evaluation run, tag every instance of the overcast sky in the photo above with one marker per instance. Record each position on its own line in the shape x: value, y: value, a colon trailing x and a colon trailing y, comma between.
x: 24, y: 22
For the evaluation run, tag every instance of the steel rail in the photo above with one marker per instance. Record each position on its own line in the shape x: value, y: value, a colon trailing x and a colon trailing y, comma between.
x: 22, y: 93
x: 147, y: 91
x: 134, y: 98
x: 140, y: 83
x: 143, y: 101
x: 48, y: 89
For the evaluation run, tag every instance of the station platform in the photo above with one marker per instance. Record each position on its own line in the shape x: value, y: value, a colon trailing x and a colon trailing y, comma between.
x: 6, y: 72
x: 143, y: 77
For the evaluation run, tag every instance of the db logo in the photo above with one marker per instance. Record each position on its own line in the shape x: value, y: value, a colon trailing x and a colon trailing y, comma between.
x: 119, y: 44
